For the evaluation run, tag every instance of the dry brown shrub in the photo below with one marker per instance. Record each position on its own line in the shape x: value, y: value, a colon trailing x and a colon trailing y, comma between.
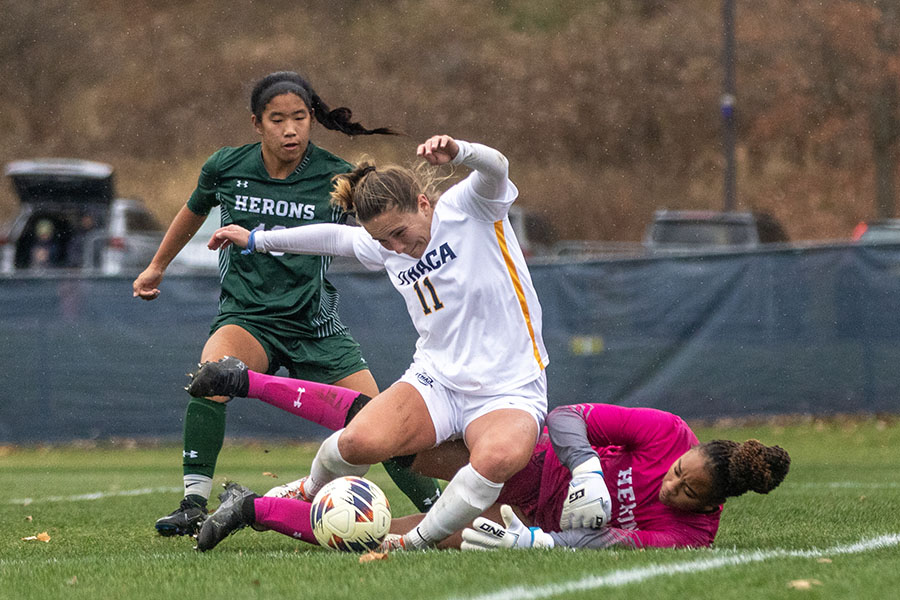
x: 606, y: 110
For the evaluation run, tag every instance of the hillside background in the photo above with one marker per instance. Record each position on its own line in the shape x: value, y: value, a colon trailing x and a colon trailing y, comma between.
x: 607, y: 110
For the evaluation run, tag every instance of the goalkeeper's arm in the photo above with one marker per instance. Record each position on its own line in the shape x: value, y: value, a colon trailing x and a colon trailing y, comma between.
x: 485, y: 534
x: 588, y: 503
x: 609, y: 537
x: 568, y: 434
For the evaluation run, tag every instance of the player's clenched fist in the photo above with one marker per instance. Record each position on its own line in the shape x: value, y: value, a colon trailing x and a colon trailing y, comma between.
x: 438, y: 149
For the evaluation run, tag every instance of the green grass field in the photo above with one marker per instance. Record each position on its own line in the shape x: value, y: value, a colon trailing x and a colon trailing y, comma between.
x: 98, y: 505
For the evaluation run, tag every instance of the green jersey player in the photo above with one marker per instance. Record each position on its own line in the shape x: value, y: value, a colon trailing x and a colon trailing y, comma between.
x: 274, y: 310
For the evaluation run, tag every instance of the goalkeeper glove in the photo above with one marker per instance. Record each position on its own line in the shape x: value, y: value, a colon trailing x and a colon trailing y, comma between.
x: 588, y: 503
x: 487, y: 535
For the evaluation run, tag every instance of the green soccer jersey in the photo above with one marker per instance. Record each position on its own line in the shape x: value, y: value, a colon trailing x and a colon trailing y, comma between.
x: 285, y: 292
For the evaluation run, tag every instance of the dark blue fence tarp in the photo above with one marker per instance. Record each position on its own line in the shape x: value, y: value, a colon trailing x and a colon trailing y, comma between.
x: 773, y: 332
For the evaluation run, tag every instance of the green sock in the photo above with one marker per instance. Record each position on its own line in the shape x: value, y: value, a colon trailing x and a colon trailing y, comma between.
x: 423, y: 491
x: 204, y: 432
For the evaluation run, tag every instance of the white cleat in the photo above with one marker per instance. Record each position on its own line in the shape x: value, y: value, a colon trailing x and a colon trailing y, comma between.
x: 393, y: 542
x: 292, y: 490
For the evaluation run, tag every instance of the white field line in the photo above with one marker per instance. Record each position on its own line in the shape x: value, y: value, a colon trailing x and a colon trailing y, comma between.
x: 95, y: 495
x: 628, y: 576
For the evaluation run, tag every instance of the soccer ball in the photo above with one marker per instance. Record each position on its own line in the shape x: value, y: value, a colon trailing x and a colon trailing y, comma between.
x: 351, y: 514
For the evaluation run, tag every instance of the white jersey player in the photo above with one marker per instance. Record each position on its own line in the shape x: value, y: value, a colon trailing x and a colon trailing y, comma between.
x: 479, y: 367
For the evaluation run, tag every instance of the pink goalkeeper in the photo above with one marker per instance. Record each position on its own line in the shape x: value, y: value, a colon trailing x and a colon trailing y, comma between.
x: 666, y: 489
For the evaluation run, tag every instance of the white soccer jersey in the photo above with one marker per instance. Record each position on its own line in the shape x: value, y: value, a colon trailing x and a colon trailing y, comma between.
x: 470, y: 296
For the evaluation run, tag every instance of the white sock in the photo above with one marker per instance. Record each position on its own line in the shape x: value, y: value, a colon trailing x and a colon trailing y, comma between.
x: 198, y: 485
x: 467, y: 495
x: 329, y: 464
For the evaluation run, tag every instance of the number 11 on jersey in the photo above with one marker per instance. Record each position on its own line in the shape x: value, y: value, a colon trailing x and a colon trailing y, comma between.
x: 435, y: 301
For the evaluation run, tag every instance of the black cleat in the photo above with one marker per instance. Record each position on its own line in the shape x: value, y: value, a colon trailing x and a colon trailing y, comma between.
x: 226, y: 377
x: 227, y: 519
x: 184, y: 520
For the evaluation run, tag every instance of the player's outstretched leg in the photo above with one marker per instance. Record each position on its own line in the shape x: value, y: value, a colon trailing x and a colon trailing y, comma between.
x: 225, y: 377
x: 328, y: 405
x: 228, y: 518
x: 321, y: 403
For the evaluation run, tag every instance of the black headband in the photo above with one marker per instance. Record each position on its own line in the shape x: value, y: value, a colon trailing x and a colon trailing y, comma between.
x: 284, y: 87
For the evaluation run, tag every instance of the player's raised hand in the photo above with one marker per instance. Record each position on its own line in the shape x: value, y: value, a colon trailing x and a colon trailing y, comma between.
x: 438, y: 149
x: 487, y: 535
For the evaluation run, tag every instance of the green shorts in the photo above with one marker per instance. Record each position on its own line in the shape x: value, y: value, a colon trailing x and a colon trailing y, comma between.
x: 325, y: 360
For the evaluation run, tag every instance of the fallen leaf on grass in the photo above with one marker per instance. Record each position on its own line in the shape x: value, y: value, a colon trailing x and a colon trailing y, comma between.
x: 41, y: 537
x: 72, y: 581
x: 272, y: 475
x: 823, y: 560
x: 803, y: 584
x: 372, y: 556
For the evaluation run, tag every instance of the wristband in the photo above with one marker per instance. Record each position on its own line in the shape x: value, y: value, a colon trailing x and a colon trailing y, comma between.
x: 251, y: 244
x: 540, y: 539
x: 591, y: 465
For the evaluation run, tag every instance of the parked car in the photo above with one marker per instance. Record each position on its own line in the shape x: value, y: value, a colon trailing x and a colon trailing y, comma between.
x: 69, y: 218
x: 878, y: 231
x: 131, y: 239
x: 695, y: 230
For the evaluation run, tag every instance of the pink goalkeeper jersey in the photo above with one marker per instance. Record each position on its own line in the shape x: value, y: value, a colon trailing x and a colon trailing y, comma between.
x: 636, y: 448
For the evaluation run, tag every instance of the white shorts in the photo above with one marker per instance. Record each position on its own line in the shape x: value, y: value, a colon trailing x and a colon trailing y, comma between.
x: 452, y: 411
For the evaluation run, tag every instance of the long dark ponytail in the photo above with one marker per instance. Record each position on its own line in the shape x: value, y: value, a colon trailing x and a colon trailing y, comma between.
x: 284, y: 82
